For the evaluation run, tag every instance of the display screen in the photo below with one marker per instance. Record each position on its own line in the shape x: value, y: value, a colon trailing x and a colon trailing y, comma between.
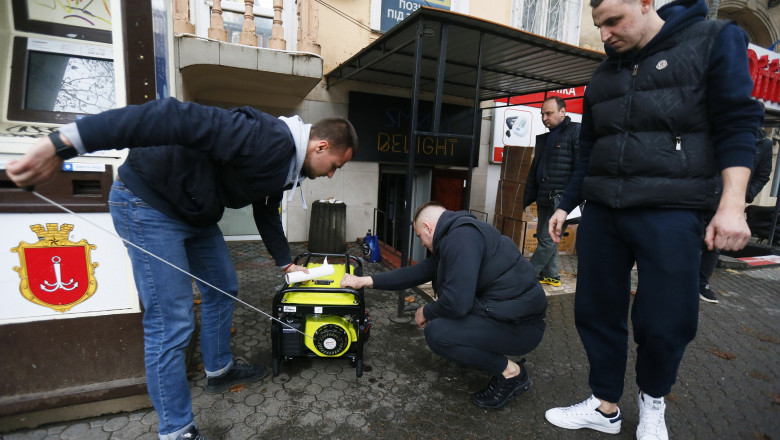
x: 69, y: 83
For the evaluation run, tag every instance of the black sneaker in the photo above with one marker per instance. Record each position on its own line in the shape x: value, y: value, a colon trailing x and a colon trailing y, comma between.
x: 192, y: 434
x: 239, y: 373
x: 500, y: 391
x: 706, y: 294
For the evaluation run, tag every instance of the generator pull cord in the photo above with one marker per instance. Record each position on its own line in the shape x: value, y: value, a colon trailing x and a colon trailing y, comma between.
x: 53, y: 203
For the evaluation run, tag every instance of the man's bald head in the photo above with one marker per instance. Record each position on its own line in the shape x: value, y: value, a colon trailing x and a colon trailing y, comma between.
x: 425, y: 220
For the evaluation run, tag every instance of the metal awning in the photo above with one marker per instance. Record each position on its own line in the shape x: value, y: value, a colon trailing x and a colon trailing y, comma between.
x: 513, y: 62
x: 446, y: 54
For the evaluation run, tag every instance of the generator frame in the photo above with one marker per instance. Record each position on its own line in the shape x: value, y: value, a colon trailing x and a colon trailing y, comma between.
x: 357, y: 310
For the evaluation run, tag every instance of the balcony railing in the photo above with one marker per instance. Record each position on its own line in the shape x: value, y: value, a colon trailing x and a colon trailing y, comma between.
x: 307, y: 24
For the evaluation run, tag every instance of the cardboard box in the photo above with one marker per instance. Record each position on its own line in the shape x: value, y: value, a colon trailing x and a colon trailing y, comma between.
x: 509, y: 201
x: 530, y: 243
x: 514, y: 229
x: 565, y: 247
x: 567, y: 243
x: 516, y: 163
x: 498, y: 222
x: 532, y: 212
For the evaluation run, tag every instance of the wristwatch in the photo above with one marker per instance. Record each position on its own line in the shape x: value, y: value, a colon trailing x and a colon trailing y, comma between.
x: 63, y: 150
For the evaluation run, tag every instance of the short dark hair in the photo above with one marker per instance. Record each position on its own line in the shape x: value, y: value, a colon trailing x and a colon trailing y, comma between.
x: 422, y: 208
x: 596, y: 3
x: 339, y: 133
x: 558, y: 100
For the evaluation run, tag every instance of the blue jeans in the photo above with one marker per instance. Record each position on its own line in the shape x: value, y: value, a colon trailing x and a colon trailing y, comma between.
x: 545, y: 257
x: 166, y: 294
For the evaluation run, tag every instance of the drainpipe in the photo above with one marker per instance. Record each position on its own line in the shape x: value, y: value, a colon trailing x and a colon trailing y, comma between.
x: 712, y: 14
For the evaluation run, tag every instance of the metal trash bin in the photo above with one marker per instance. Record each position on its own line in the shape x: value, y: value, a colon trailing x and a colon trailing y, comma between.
x: 328, y: 227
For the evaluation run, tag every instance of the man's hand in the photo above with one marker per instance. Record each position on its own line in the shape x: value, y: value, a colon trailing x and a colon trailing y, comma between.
x: 555, y: 226
x: 728, y: 229
x: 37, y: 166
x: 296, y: 268
x: 356, y: 282
x: 419, y: 318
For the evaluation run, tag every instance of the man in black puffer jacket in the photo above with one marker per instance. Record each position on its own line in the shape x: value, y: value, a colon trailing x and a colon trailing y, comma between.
x: 664, y: 114
x: 555, y: 155
x: 489, y: 303
x: 187, y: 163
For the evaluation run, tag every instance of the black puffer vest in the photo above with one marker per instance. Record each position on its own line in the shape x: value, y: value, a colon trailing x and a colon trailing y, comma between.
x: 653, y: 146
x: 560, y: 163
x: 507, y: 288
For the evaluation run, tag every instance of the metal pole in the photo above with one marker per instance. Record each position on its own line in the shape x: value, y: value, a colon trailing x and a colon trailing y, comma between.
x: 445, y: 31
x: 412, y: 151
x: 477, y: 121
x: 775, y: 193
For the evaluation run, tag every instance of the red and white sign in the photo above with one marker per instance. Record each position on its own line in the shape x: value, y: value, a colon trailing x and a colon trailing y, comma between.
x: 520, y: 121
x: 765, y: 70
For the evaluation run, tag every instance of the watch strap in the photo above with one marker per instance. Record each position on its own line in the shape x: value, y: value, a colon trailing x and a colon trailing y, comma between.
x: 62, y: 150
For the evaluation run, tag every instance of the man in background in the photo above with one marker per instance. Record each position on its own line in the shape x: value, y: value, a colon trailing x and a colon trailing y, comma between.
x: 555, y: 155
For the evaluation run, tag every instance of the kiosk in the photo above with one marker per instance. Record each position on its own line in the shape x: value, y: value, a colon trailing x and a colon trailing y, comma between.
x: 70, y: 320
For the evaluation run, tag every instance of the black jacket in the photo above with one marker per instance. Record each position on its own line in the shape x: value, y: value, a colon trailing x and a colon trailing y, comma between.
x: 561, y: 159
x: 474, y: 270
x: 197, y: 160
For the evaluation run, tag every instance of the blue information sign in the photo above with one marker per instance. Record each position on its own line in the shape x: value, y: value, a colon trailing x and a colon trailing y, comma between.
x: 393, y: 11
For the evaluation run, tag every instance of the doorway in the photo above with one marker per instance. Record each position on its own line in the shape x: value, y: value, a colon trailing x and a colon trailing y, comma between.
x: 391, y: 199
x: 449, y: 188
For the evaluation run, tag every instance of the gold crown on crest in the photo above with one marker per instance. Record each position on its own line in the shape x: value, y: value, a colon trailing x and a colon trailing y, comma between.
x: 52, y: 232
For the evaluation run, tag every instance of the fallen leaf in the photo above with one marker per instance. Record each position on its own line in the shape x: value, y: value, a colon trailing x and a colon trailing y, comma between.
x: 633, y: 292
x: 197, y: 301
x: 409, y: 299
x: 768, y: 338
x: 732, y: 271
x: 723, y: 354
x: 762, y: 436
x: 746, y: 329
x: 232, y: 330
x: 671, y: 397
x: 756, y: 375
x: 775, y: 399
x: 237, y: 388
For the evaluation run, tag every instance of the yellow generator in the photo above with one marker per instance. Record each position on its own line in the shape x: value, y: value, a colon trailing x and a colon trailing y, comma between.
x: 319, y: 318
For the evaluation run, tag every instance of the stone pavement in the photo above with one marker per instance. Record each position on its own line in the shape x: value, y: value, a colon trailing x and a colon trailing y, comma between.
x: 728, y: 385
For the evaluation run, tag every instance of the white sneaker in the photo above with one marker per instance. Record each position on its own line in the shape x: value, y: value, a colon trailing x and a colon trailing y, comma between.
x: 584, y: 415
x: 651, y: 418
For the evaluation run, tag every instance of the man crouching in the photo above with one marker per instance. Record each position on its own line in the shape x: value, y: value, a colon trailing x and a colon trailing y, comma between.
x: 489, y: 306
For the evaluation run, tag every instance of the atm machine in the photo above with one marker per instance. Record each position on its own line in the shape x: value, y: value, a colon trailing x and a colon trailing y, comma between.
x: 71, y: 340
